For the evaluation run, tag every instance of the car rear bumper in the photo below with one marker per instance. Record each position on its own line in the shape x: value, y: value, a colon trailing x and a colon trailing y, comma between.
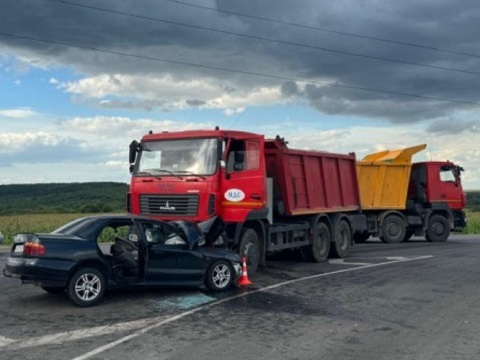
x: 39, y: 271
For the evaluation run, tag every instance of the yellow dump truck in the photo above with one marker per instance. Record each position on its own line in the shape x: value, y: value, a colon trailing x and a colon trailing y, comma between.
x: 401, y: 199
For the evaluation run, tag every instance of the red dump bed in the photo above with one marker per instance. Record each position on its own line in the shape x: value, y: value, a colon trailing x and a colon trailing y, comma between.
x: 307, y: 182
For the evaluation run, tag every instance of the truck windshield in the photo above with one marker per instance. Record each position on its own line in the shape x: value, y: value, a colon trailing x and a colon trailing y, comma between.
x: 178, y: 157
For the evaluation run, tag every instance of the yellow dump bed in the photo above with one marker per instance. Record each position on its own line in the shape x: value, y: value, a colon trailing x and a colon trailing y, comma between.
x: 383, y: 178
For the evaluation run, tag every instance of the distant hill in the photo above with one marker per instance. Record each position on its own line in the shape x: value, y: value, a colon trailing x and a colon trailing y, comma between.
x: 63, y: 198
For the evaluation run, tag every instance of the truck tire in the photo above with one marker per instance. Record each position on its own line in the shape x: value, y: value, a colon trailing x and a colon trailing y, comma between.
x: 342, y: 242
x: 360, y: 238
x: 250, y: 248
x: 438, y: 229
x: 393, y: 229
x: 319, y: 249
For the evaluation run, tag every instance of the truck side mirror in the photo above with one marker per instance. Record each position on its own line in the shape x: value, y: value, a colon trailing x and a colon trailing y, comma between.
x: 133, y: 151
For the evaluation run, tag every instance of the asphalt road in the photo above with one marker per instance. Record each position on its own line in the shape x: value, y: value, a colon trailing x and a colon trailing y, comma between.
x: 410, y: 301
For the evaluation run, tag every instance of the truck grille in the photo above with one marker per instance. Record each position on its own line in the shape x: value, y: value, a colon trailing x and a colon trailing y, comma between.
x: 169, y: 204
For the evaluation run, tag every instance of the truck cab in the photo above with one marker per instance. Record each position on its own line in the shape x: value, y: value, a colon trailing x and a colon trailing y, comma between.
x: 436, y: 187
x: 195, y: 175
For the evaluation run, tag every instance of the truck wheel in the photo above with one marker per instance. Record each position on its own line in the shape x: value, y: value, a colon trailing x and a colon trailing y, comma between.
x: 438, y: 229
x: 86, y: 287
x: 360, y: 238
x: 393, y: 229
x: 342, y: 241
x: 250, y: 248
x: 319, y: 249
x: 220, y: 276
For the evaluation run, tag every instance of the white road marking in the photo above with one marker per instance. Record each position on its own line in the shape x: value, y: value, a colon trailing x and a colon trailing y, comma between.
x: 146, y: 325
x: 343, y: 262
x: 5, y: 341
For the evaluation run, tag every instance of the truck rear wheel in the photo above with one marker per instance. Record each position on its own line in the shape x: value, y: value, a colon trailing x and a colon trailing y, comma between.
x: 342, y: 242
x: 393, y: 229
x: 319, y: 249
x: 250, y: 248
x: 438, y: 229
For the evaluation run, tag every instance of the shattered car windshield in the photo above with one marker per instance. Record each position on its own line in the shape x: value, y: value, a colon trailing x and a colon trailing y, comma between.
x: 178, y: 157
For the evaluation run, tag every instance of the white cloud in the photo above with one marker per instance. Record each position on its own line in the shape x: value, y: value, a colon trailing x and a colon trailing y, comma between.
x: 168, y: 92
x: 21, y: 113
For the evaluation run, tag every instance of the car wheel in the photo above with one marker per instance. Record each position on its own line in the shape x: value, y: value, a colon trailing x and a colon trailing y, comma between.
x: 220, y: 276
x: 250, y: 248
x: 86, y: 287
x: 53, y: 289
x: 438, y: 229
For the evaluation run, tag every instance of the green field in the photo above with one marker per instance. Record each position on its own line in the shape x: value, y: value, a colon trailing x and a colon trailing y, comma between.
x: 35, y: 223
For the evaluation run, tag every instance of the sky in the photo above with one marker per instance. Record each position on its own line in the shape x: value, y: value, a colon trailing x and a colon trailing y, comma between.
x: 80, y: 79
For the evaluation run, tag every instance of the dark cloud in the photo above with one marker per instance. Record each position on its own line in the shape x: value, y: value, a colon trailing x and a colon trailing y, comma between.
x: 439, y: 24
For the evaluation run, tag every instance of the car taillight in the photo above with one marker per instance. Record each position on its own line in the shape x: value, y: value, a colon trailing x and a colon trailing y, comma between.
x: 33, y: 249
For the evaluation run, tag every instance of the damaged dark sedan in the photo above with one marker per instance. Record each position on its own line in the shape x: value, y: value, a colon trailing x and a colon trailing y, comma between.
x: 87, y: 256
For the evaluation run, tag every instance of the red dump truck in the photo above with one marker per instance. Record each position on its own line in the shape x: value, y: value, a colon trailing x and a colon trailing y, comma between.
x: 401, y: 199
x: 271, y: 197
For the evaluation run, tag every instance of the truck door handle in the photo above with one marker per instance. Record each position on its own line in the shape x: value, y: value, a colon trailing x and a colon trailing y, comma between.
x: 444, y: 195
x: 256, y: 196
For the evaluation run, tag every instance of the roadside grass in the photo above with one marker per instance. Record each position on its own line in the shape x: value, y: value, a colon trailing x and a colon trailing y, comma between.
x: 473, y: 225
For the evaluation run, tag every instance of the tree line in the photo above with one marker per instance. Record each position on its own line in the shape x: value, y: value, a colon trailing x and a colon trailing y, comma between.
x: 92, y: 197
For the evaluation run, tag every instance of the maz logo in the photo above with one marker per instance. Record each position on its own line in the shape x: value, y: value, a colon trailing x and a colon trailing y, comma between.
x: 234, y: 195
x: 167, y: 207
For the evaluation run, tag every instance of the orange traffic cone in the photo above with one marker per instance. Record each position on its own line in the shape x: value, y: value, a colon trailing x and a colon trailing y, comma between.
x: 243, y: 280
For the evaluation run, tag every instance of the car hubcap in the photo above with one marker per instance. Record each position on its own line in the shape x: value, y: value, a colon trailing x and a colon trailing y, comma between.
x: 87, y: 287
x: 221, y: 276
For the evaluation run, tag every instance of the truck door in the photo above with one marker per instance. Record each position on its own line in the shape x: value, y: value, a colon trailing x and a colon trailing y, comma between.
x: 449, y: 186
x: 243, y: 184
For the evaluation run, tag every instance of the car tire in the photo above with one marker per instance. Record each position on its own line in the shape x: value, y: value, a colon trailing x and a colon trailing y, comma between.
x: 86, y: 287
x: 53, y: 289
x: 438, y: 229
x: 250, y: 248
x: 220, y: 276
